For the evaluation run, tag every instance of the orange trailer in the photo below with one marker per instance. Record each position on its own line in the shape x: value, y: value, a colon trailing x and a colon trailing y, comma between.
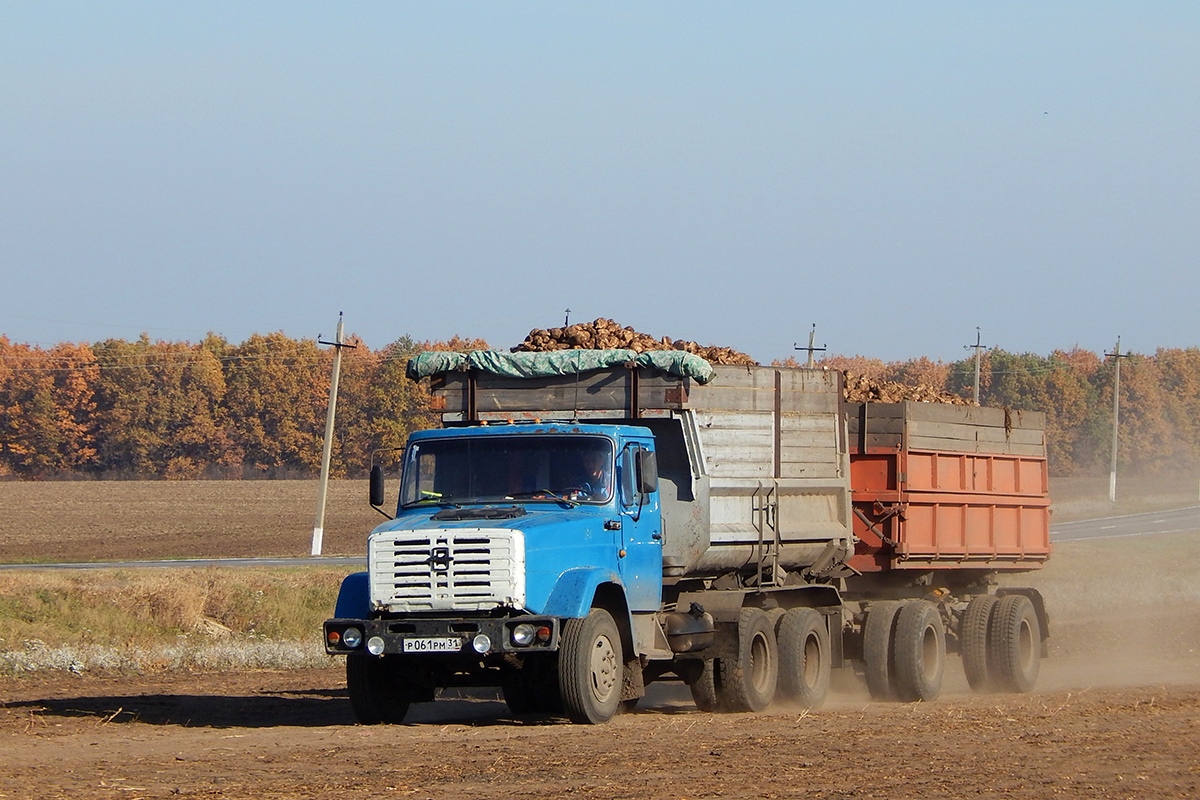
x: 937, y: 486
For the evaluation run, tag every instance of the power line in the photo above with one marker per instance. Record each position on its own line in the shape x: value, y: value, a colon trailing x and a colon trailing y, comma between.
x: 812, y: 348
x: 1116, y: 356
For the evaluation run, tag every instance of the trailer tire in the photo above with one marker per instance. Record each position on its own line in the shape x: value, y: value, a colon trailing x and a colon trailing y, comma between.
x: 704, y: 688
x: 878, y: 636
x: 377, y: 692
x: 748, y: 681
x: 1014, y: 637
x: 804, y: 657
x: 973, y: 641
x: 920, y: 651
x: 590, y: 668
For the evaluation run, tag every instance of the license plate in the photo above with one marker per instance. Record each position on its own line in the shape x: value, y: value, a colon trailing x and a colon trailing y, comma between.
x: 433, y: 644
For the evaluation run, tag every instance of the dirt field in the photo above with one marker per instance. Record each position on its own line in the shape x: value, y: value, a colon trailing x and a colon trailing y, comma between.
x: 121, y: 520
x: 289, y: 735
x: 1117, y: 712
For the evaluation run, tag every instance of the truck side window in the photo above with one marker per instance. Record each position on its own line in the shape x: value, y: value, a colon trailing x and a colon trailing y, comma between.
x: 629, y: 496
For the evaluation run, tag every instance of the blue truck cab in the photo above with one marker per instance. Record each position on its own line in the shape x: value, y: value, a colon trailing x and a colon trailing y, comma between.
x: 518, y: 557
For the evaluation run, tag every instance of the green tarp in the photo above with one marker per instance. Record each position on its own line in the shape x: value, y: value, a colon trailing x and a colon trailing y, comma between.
x: 559, y: 362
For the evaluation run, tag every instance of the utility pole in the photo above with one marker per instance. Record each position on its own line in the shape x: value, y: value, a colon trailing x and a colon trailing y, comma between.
x: 812, y: 335
x: 1116, y: 355
x: 978, y: 347
x: 319, y: 526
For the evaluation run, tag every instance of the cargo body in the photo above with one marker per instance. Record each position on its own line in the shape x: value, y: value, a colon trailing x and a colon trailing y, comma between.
x: 755, y: 532
x: 948, y: 487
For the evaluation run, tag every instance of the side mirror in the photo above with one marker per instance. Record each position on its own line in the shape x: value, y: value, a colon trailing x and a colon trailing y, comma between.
x: 647, y: 471
x: 376, y: 495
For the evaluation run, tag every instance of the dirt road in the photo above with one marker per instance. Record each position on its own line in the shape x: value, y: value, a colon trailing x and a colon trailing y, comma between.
x: 290, y: 735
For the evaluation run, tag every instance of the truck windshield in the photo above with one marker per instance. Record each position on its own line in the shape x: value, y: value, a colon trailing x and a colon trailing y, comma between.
x: 494, y: 469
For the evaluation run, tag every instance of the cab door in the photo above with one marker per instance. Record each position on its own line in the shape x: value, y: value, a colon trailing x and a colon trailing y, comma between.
x: 641, y: 526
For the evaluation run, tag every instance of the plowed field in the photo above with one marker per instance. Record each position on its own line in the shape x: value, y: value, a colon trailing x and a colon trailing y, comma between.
x: 1116, y: 714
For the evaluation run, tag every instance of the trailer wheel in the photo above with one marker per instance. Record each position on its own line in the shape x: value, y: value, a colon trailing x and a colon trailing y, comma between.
x: 920, y: 651
x: 804, y: 657
x: 973, y: 640
x: 704, y: 688
x: 1015, y: 641
x: 878, y: 635
x: 377, y: 694
x: 590, y: 668
x: 748, y: 682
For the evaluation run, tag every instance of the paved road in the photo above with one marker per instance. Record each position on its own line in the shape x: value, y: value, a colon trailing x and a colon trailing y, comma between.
x: 1180, y: 520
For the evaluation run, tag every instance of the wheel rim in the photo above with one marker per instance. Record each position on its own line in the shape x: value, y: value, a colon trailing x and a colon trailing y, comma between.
x: 930, y: 654
x: 1025, y: 647
x: 604, y: 669
x: 760, y: 663
x: 812, y: 661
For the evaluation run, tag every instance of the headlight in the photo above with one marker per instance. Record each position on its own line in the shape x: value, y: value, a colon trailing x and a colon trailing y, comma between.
x: 375, y: 646
x: 352, y: 637
x: 523, y: 634
x: 482, y: 643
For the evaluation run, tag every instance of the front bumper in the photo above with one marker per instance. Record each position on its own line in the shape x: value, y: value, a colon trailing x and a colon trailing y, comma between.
x: 395, y: 633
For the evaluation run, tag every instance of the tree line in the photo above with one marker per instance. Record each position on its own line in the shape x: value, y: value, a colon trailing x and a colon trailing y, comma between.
x: 181, y: 410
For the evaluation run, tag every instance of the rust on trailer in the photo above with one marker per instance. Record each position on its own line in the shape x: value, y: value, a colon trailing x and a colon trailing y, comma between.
x: 944, y: 487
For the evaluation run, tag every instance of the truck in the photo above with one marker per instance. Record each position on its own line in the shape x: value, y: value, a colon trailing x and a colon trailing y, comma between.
x: 585, y: 523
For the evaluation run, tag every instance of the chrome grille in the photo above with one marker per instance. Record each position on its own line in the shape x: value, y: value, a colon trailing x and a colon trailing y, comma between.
x: 472, y: 569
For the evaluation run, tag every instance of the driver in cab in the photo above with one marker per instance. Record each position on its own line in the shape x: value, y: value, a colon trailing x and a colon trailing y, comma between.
x: 595, y: 477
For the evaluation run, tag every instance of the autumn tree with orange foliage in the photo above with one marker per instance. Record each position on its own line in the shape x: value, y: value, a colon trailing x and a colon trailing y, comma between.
x: 257, y: 409
x: 47, y: 422
x: 159, y: 409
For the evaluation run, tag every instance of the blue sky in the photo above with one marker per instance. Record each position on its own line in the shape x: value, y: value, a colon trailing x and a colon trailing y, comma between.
x: 897, y: 174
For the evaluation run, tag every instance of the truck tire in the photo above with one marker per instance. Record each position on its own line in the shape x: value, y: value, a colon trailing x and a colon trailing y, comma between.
x: 878, y: 635
x: 704, y: 688
x: 377, y: 695
x: 590, y: 670
x: 533, y: 689
x: 748, y: 682
x: 804, y: 657
x: 1014, y: 637
x: 920, y: 651
x: 973, y: 641
x: 519, y: 697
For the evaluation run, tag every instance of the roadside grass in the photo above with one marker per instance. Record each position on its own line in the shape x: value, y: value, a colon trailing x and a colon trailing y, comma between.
x: 166, y: 618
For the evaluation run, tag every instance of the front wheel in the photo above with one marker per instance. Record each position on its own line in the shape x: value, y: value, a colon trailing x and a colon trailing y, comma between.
x: 590, y: 668
x: 377, y: 692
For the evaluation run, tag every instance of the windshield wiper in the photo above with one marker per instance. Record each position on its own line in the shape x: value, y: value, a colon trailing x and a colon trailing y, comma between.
x: 547, y: 493
x: 433, y: 497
